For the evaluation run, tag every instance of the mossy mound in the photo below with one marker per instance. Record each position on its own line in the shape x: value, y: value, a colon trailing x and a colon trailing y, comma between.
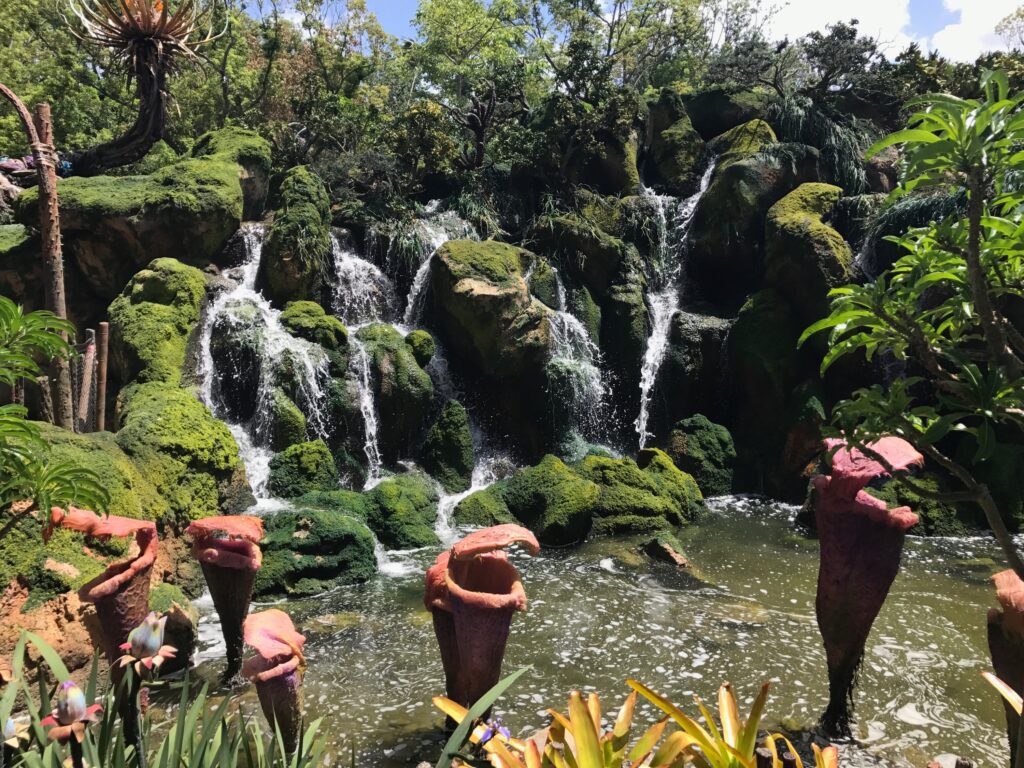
x: 12, y: 238
x: 302, y: 468
x: 190, y: 457
x: 252, y: 154
x: 483, y: 508
x: 447, y: 452
x: 309, y: 551
x: 189, y: 209
x: 596, y: 255
x: 132, y: 493
x: 287, y: 422
x: 403, y: 391
x: 422, y: 345
x: 544, y: 283
x: 677, y: 154
x: 497, y: 263
x: 552, y: 501
x: 152, y: 319
x: 805, y: 257
x: 704, y: 450
x: 298, y: 247
x: 308, y: 320
x: 745, y: 139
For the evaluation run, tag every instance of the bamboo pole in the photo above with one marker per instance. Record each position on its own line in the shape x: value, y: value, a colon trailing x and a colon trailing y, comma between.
x: 84, y: 421
x: 45, y: 399
x: 103, y: 345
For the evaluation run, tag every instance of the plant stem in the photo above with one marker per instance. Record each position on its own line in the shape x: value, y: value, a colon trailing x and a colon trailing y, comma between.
x: 76, y: 753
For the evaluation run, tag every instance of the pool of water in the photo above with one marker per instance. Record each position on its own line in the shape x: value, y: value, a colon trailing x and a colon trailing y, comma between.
x: 601, y: 613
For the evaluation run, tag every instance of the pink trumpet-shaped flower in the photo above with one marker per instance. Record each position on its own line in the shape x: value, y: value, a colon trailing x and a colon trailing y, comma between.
x: 121, y: 593
x: 277, y: 670
x: 1006, y: 644
x: 861, y: 544
x: 70, y: 715
x: 145, y: 649
x: 227, y: 547
x: 472, y: 591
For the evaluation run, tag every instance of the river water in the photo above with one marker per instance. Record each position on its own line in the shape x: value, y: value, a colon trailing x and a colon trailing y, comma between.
x: 601, y: 613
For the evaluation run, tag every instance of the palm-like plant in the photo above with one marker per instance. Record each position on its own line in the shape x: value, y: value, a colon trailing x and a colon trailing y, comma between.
x: 147, y: 39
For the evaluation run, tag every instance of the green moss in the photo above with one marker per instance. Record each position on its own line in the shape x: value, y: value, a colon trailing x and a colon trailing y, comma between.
x: 159, y: 156
x: 302, y: 468
x: 241, y: 146
x: 706, y: 451
x: 13, y: 237
x: 298, y: 246
x: 937, y: 518
x: 596, y: 254
x: 190, y: 457
x: 806, y: 257
x: 583, y: 306
x: 163, y: 596
x: 745, y: 139
x: 497, y: 263
x: 309, y: 551
x: 132, y: 494
x: 402, y: 511
x: 288, y: 424
x: 307, y: 320
x: 422, y: 345
x: 672, y: 482
x: 447, y: 452
x: 544, y: 283
x: 552, y: 501
x: 716, y: 110
x: 678, y: 153
x: 151, y: 321
x: 483, y: 508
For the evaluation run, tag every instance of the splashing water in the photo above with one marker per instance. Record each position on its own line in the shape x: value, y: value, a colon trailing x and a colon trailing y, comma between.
x: 368, y: 408
x: 664, y: 299
x: 485, y: 473
x: 246, y: 310
x: 361, y: 293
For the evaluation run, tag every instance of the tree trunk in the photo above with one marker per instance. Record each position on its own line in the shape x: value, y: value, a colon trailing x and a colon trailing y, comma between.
x: 149, y: 126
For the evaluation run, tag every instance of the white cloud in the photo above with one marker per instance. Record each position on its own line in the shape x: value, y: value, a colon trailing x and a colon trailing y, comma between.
x: 975, y: 32
x: 890, y: 21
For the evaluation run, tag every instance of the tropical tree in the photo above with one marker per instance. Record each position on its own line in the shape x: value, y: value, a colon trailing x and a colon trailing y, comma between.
x: 948, y: 310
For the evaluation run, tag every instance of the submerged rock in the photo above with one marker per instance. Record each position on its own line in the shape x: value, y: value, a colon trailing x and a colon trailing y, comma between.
x: 704, y: 450
x: 302, y: 468
x: 308, y: 551
x: 189, y: 456
x: 150, y: 322
x: 447, y: 453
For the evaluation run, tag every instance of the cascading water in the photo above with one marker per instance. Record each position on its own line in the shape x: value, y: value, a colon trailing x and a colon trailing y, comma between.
x: 361, y: 292
x: 486, y: 472
x: 574, y: 369
x: 243, y: 312
x: 665, y: 297
x: 368, y: 408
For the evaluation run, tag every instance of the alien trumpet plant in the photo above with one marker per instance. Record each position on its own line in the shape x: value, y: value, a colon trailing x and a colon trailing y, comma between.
x: 227, y: 547
x: 121, y: 593
x: 277, y: 670
x: 472, y: 591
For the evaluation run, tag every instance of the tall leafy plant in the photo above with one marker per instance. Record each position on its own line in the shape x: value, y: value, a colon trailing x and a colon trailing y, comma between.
x: 30, y: 478
x: 945, y: 309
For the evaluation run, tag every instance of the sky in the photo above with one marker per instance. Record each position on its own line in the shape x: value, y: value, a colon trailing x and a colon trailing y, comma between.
x: 959, y: 29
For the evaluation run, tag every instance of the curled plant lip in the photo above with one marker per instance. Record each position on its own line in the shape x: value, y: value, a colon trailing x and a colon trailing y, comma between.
x: 852, y: 470
x: 230, y: 541
x: 277, y: 644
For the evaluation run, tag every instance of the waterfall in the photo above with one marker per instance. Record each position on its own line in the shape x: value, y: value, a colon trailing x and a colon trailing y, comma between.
x: 245, y: 310
x: 361, y: 293
x: 418, y: 293
x: 485, y: 473
x: 664, y: 298
x: 368, y: 408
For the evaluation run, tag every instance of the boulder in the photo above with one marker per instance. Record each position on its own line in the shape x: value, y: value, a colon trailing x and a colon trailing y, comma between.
x: 482, y: 509
x: 252, y: 155
x: 497, y: 334
x: 705, y: 451
x: 692, y: 374
x: 236, y: 348
x: 114, y: 225
x: 447, y: 452
x: 422, y: 345
x: 309, y: 321
x: 745, y: 139
x: 716, y: 110
x: 625, y: 327
x: 613, y: 168
x: 287, y: 422
x: 726, y: 250
x: 298, y: 246
x: 308, y: 551
x: 935, y: 517
x: 804, y: 256
x: 677, y: 157
x: 190, y: 457
x: 403, y: 391
x: 302, y: 468
x: 151, y: 321
x: 552, y: 501
x: 594, y: 254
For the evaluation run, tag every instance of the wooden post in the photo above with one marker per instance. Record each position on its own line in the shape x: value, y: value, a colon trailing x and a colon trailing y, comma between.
x: 788, y: 759
x: 85, y: 391
x: 103, y: 344
x: 764, y: 757
x: 45, y: 399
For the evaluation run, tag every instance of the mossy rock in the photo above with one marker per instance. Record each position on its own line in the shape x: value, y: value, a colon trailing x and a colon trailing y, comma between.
x: 745, y: 139
x: 706, y: 451
x: 308, y: 551
x: 500, y: 264
x: 625, y: 327
x: 677, y: 156
x: 805, y: 257
x: 13, y: 237
x: 309, y: 321
x: 612, y: 169
x: 552, y: 501
x: 287, y: 422
x: 714, y: 111
x: 936, y: 518
x: 447, y: 452
x: 402, y: 511
x: 302, y: 468
x: 114, y: 225
x: 595, y: 255
x: 160, y: 155
x: 403, y: 391
x: 298, y: 248
x: 237, y: 351
x: 583, y: 306
x: 422, y: 345
x: 483, y: 508
x: 252, y: 154
x: 189, y: 456
x: 151, y: 322
x: 132, y: 493
x: 544, y: 283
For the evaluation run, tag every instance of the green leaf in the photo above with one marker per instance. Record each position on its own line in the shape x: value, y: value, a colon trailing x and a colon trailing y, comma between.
x: 906, y: 136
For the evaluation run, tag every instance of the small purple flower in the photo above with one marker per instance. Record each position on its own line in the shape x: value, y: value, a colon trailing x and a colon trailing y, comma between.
x: 145, y: 649
x: 494, y: 728
x: 71, y: 715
